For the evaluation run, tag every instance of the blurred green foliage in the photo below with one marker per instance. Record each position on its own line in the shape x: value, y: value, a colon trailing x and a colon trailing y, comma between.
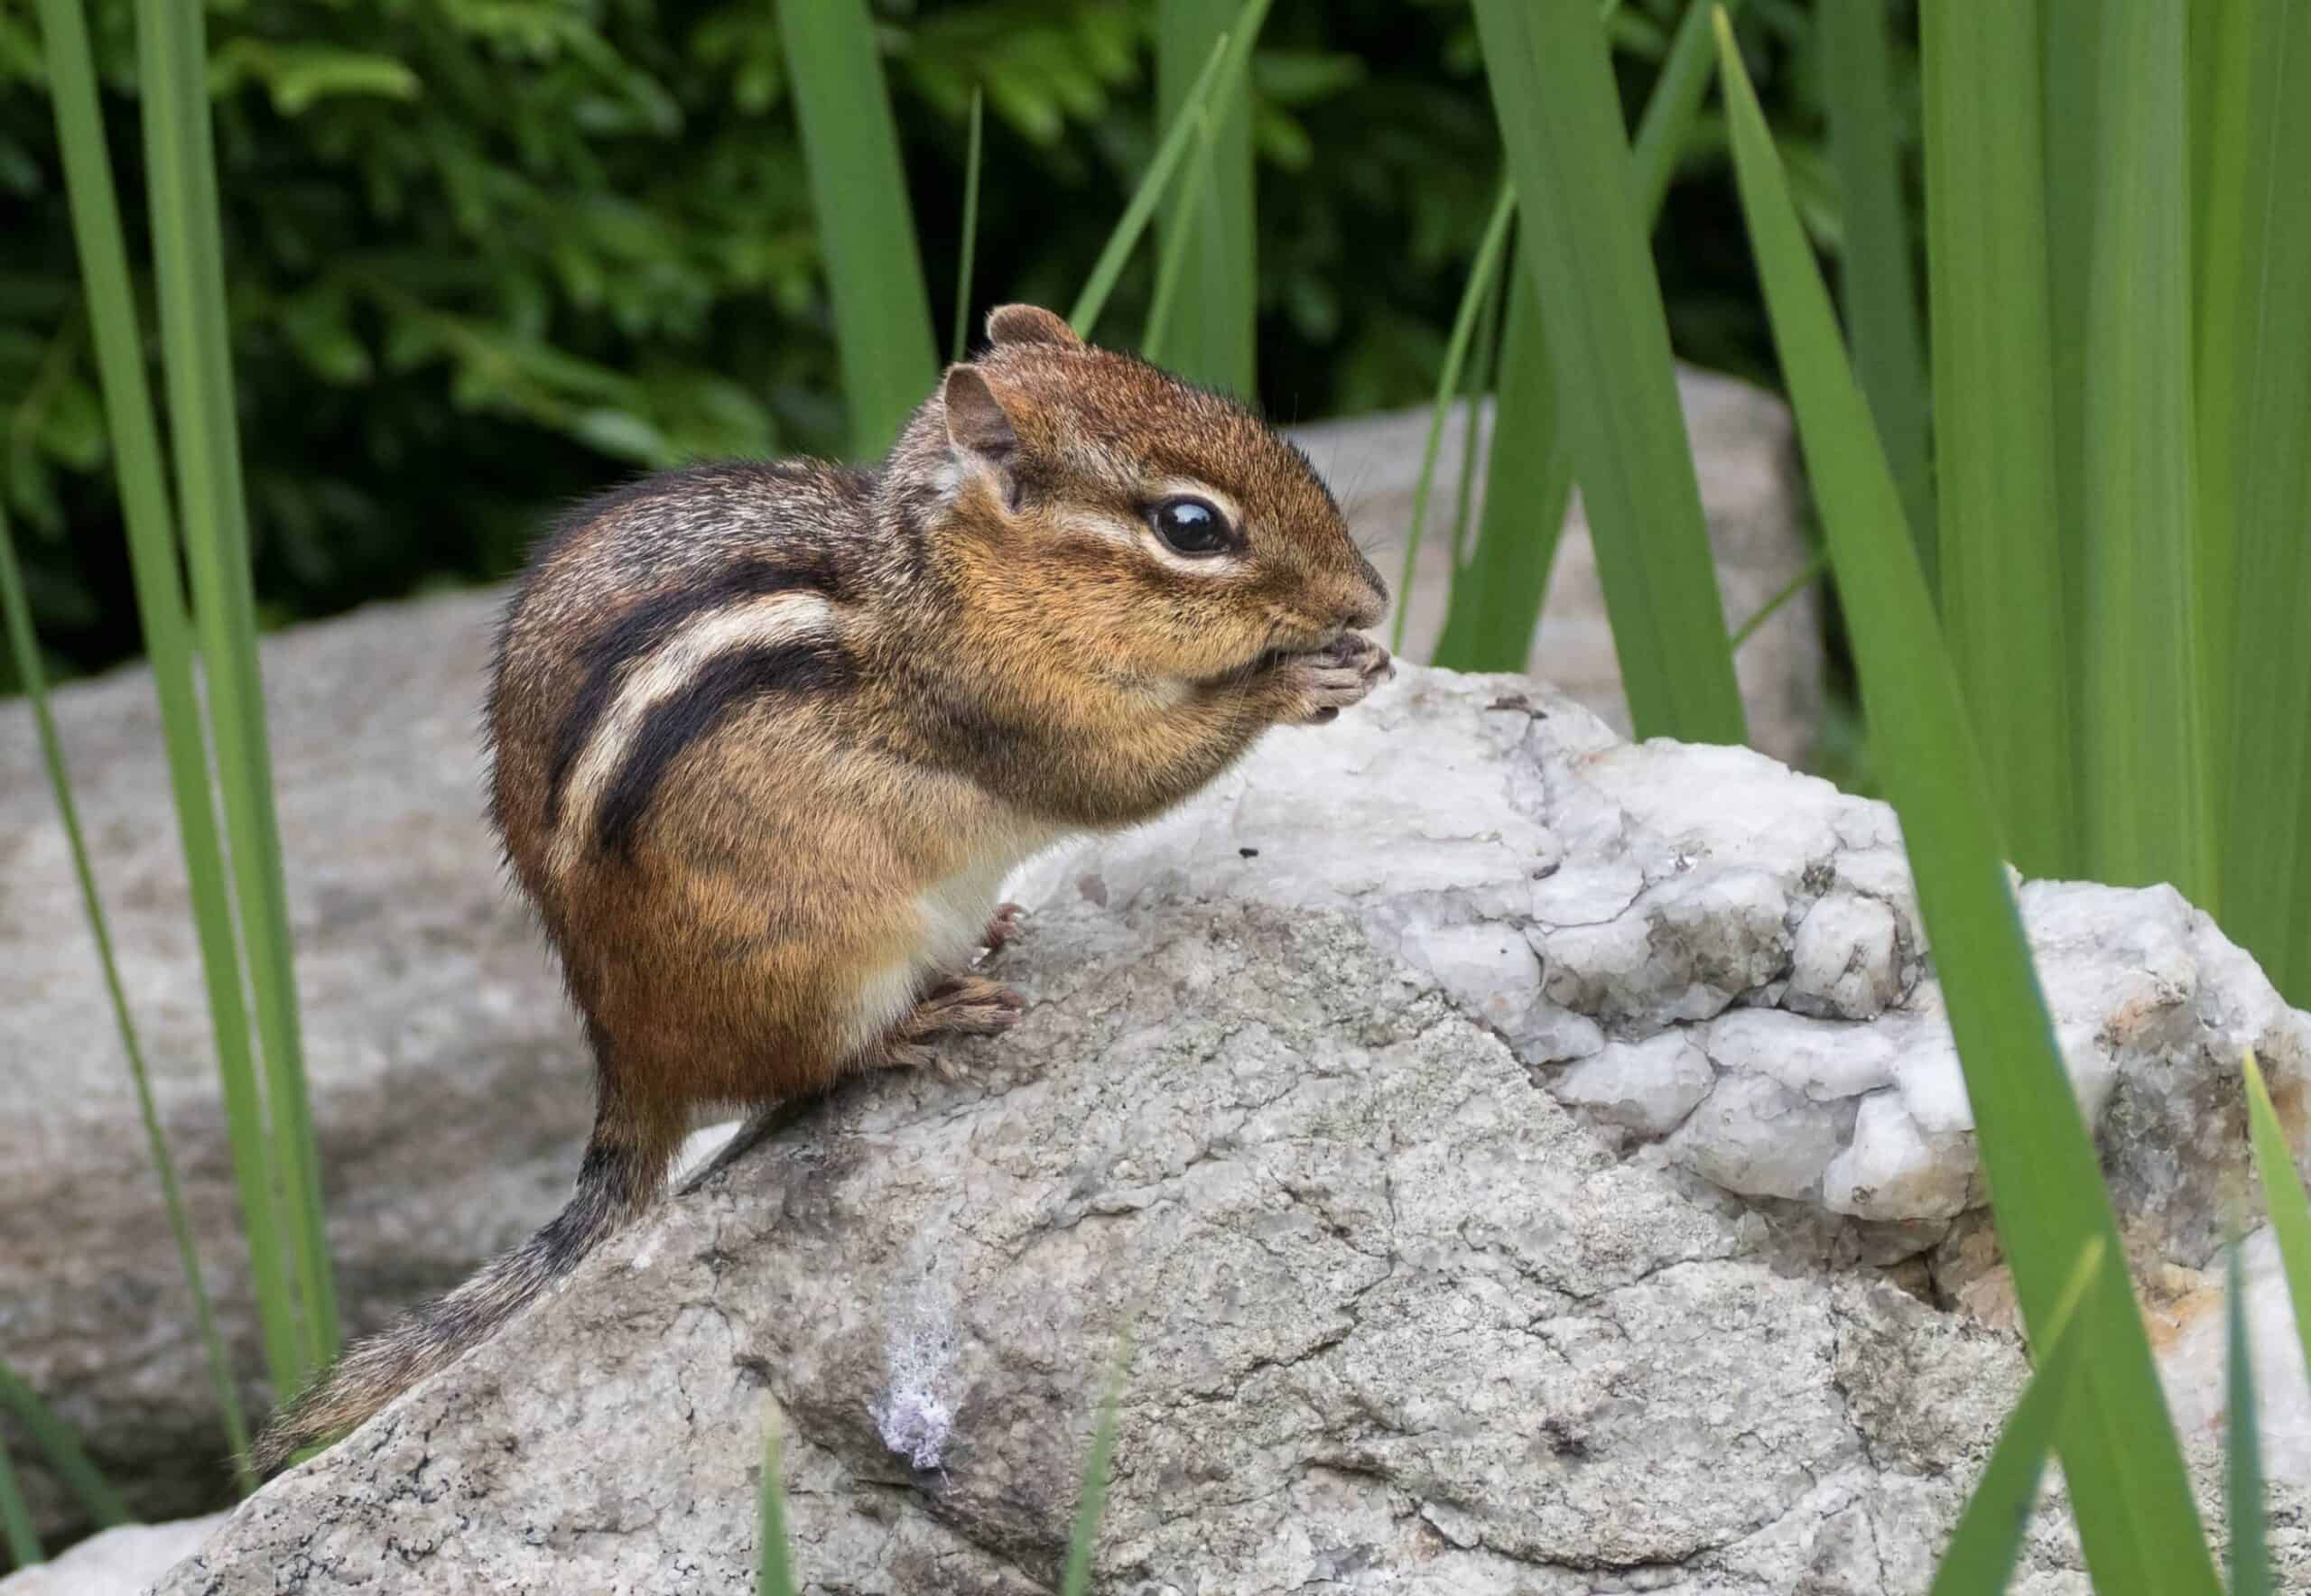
x: 485, y: 256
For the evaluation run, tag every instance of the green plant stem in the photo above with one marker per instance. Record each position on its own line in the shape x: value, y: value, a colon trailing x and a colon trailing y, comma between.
x: 1877, y: 284
x: 1220, y: 274
x: 15, y: 1517
x: 17, y: 616
x: 160, y: 602
x: 1473, y: 294
x: 1489, y: 623
x: 1171, y: 261
x: 1216, y: 85
x: 1076, y: 1579
x: 2129, y: 1488
x: 1814, y: 569
x: 2006, y: 607
x: 970, y: 225
x: 773, y: 1566
x: 54, y: 1437
x: 2149, y: 808
x: 881, y: 311
x: 190, y: 274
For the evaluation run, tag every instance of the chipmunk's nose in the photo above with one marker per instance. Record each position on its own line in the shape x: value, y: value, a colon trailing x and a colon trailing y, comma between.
x: 1368, y: 601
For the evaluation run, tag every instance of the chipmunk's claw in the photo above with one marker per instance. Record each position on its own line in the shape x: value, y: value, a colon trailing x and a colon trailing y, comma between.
x: 1001, y: 929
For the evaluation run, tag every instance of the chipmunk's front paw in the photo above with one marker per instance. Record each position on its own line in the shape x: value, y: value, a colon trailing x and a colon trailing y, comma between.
x: 1318, y: 686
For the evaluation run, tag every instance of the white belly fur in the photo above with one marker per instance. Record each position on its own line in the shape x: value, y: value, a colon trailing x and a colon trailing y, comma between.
x: 954, y: 913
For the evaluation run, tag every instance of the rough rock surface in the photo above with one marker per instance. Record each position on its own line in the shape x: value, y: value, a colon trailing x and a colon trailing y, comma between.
x: 1286, y: 1106
x: 449, y: 1085
x: 1745, y: 455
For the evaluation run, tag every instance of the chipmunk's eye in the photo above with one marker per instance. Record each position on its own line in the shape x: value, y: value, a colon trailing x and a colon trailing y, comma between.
x: 1190, y: 525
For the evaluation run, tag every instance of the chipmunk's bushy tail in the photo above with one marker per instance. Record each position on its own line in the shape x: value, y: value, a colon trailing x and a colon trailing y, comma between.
x: 621, y: 1176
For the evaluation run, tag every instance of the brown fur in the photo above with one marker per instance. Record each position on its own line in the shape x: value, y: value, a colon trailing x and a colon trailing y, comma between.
x: 755, y: 877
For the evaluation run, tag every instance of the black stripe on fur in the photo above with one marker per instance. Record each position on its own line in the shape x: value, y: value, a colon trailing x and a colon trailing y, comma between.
x: 721, y: 685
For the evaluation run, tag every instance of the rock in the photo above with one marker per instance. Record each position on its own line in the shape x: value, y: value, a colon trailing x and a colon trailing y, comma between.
x: 1402, y: 1317
x: 118, y: 1562
x: 449, y: 1088
x: 1745, y: 455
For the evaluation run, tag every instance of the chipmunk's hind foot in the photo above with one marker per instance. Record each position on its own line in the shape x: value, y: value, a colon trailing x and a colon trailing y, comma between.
x: 962, y: 1004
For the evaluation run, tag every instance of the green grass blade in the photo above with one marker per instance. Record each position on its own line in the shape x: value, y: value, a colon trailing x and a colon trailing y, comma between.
x: 970, y: 225
x: 16, y: 615
x: 2128, y: 1486
x: 188, y: 256
x: 2004, y: 594
x: 1498, y: 593
x: 54, y: 1437
x: 1484, y: 368
x: 1813, y: 570
x: 1221, y: 275
x: 773, y: 1569
x: 1552, y: 91
x: 2070, y: 61
x: 882, y: 311
x: 1221, y: 71
x: 1529, y: 481
x: 1877, y: 281
x: 1077, y: 1578
x: 2149, y: 807
x: 2250, y: 1555
x: 15, y: 1517
x: 2254, y: 405
x: 1983, y: 1548
x: 1170, y: 262
x: 160, y: 603
x: 1473, y: 296
x: 2283, y: 1196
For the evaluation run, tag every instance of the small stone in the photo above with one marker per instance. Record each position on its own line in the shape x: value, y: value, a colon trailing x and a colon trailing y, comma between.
x: 1753, y: 1136
x: 1842, y: 961
x: 1647, y: 1086
x: 1890, y: 1172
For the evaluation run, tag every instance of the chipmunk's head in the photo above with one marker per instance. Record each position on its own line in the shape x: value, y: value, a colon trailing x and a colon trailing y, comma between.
x: 1105, y: 513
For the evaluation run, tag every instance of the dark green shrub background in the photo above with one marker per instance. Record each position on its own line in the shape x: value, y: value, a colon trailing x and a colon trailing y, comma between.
x: 489, y: 254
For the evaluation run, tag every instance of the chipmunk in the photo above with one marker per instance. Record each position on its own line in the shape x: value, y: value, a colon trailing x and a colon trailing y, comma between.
x: 767, y: 739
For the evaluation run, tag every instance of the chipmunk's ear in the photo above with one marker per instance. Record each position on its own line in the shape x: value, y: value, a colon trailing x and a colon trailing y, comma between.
x: 1029, y: 324
x: 977, y: 422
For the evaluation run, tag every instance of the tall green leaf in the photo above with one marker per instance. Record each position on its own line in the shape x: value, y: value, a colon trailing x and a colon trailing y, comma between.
x: 773, y: 1566
x: 1980, y: 1555
x: 16, y: 1519
x: 1878, y: 283
x: 2250, y: 1555
x: 970, y: 225
x: 2004, y: 603
x: 161, y: 609
x: 2254, y: 473
x: 1552, y: 91
x: 2070, y: 61
x: 1474, y: 295
x: 1220, y: 274
x: 882, y: 311
x: 1076, y: 1579
x: 2148, y: 803
x: 54, y: 1437
x: 2129, y: 1487
x: 2283, y: 1196
x: 188, y: 257
x: 1155, y: 343
x: 1221, y: 71
x: 16, y: 620
x: 1528, y: 476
